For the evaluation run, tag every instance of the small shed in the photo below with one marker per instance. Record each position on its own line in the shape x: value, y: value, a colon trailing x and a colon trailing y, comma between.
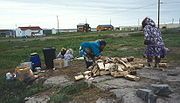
x: 83, y: 28
x: 7, y: 33
x: 105, y: 28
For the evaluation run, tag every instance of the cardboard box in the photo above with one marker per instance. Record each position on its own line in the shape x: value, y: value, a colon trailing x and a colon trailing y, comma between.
x: 60, y: 63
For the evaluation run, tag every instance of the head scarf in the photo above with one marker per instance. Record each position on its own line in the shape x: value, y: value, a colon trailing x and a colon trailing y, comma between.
x: 148, y: 21
x: 102, y: 42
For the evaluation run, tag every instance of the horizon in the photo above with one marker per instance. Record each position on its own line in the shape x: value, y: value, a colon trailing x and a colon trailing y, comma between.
x: 70, y: 13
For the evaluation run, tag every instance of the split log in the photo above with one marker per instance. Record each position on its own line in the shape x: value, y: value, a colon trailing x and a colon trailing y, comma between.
x: 132, y: 77
x: 163, y: 65
x: 138, y: 66
x: 121, y: 67
x: 87, y: 73
x: 124, y: 59
x: 119, y: 74
x: 79, y: 77
x: 104, y: 72
x: 87, y: 76
x: 101, y: 66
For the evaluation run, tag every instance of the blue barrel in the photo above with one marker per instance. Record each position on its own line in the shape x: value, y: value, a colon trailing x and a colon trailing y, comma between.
x: 36, y: 61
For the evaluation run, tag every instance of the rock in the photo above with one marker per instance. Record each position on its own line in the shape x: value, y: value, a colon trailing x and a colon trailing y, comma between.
x: 37, y: 99
x: 146, y: 95
x: 59, y: 81
x: 161, y: 89
x: 108, y: 100
x: 127, y: 95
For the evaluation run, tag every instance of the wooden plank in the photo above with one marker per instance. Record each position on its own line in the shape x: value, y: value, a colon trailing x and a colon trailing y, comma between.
x: 79, y: 77
x: 101, y: 66
x: 163, y: 65
x: 117, y: 74
x: 132, y: 77
x: 104, y: 72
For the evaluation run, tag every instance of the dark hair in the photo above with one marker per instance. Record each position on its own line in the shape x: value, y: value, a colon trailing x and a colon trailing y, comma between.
x: 144, y: 22
x: 102, y: 42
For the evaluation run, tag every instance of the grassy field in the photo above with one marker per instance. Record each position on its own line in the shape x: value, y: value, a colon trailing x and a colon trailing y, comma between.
x: 15, y: 51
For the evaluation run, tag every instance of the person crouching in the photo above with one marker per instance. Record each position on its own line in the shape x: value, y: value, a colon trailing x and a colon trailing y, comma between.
x: 91, y: 51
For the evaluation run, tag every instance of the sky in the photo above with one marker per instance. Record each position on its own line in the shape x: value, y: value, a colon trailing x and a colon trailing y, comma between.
x: 43, y: 13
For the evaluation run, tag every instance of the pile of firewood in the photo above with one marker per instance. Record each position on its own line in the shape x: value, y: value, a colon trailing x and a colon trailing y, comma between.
x: 116, y: 67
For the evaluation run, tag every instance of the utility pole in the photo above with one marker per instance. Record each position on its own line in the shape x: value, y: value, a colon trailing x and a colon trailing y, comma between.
x: 110, y: 21
x: 86, y: 20
x: 158, y: 12
x: 179, y: 21
x: 172, y: 20
x: 57, y: 24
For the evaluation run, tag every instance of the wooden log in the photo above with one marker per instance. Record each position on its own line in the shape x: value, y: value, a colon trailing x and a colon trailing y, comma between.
x: 117, y: 74
x: 127, y: 65
x: 121, y: 67
x: 124, y: 59
x: 97, y: 73
x: 163, y: 65
x: 104, y: 72
x: 132, y: 77
x: 87, y: 77
x: 79, y: 77
x: 87, y: 73
x: 101, y: 66
x: 109, y: 66
x: 138, y: 66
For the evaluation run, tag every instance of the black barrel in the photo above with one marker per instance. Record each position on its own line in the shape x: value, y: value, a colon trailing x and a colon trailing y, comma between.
x: 49, y: 56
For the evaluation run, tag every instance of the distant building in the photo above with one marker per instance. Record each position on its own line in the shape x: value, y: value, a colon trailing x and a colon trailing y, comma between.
x: 168, y: 26
x: 47, y: 31
x: 7, y: 33
x: 129, y: 28
x: 83, y: 28
x: 105, y: 28
x: 29, y: 31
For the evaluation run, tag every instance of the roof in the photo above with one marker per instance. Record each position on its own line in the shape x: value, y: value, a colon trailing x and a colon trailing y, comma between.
x: 3, y: 30
x: 106, y: 25
x: 30, y: 28
x: 81, y: 24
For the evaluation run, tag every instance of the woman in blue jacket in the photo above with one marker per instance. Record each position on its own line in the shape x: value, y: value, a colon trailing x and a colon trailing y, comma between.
x: 91, y: 51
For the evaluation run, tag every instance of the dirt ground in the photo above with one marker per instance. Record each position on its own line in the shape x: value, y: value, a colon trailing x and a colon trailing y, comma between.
x: 92, y: 94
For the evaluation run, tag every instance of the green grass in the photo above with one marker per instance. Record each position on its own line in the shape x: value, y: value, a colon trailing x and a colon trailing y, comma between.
x: 14, y: 51
x: 66, y: 94
x: 15, y: 91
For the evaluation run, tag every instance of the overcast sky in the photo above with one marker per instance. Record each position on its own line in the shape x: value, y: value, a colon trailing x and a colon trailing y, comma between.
x: 72, y: 12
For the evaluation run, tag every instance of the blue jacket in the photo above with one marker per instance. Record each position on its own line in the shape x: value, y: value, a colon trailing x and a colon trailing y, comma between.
x: 94, y: 46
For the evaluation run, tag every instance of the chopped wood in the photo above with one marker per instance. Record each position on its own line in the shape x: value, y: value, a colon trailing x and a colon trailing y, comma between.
x: 79, y: 77
x: 132, y: 77
x: 104, y: 72
x: 109, y: 66
x: 127, y: 65
x: 138, y: 66
x: 117, y: 74
x: 163, y: 65
x: 101, y: 65
x: 87, y: 76
x: 124, y: 59
x: 87, y: 73
x: 97, y: 73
